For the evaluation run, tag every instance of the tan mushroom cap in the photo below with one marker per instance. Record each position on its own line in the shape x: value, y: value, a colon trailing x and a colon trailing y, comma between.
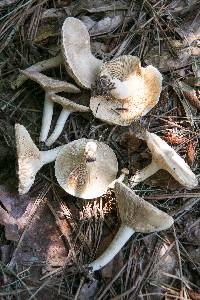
x: 167, y: 158
x: 82, y: 178
x: 68, y: 104
x: 79, y: 60
x: 28, y: 158
x: 144, y: 86
x: 138, y: 214
x: 50, y: 84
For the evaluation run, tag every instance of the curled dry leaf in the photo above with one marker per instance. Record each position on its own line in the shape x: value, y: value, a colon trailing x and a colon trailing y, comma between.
x: 190, y: 94
x: 95, y: 6
x: 106, y: 25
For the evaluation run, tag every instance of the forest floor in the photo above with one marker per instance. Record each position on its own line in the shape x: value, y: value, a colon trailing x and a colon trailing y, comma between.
x: 47, y: 235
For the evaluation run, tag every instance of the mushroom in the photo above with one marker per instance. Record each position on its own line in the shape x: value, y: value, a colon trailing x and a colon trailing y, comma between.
x: 85, y: 168
x: 125, y: 91
x: 137, y: 215
x: 76, y: 56
x: 52, y: 86
x: 30, y: 159
x: 38, y: 67
x: 68, y: 108
x: 79, y: 60
x: 164, y: 157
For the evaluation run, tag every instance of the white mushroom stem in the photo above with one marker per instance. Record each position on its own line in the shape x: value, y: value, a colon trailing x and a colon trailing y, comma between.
x: 143, y: 174
x: 46, y: 118
x: 40, y: 66
x: 50, y: 155
x: 120, y: 91
x: 122, y: 236
x: 124, y: 173
x: 59, y: 127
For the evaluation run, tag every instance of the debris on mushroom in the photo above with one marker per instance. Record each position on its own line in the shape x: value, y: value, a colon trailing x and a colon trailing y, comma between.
x: 164, y: 157
x: 38, y: 67
x: 125, y: 91
x: 30, y: 159
x: 137, y: 215
x: 52, y: 86
x: 84, y: 168
x: 79, y: 60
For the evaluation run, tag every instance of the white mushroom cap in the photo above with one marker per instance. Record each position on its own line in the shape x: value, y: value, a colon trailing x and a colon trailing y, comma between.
x: 29, y: 161
x: 167, y: 158
x: 143, y: 85
x: 84, y: 168
x: 79, y: 61
x: 138, y: 214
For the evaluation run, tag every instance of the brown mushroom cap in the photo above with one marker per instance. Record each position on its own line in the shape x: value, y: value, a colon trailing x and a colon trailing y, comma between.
x: 167, y: 158
x: 76, y: 50
x: 82, y: 178
x: 50, y: 84
x: 138, y: 213
x: 68, y: 104
x: 29, y: 161
x: 144, y: 85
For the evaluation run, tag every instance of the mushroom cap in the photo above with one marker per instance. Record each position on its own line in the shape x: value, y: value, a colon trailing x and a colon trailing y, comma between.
x: 86, y: 178
x: 50, y: 84
x: 167, y: 158
x: 121, y: 67
x: 143, y: 84
x: 28, y: 159
x: 138, y: 214
x: 68, y: 104
x: 79, y: 60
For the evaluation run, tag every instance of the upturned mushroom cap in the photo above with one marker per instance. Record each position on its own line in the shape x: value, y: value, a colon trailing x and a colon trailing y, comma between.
x: 28, y: 158
x: 68, y: 104
x: 76, y: 50
x: 167, y: 158
x: 50, y: 84
x: 142, y: 84
x: 138, y: 214
x: 84, y: 168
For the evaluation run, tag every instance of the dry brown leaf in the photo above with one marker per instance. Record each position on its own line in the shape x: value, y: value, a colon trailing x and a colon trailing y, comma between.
x: 191, y: 152
x: 190, y: 94
x: 174, y: 139
x: 131, y: 142
x: 106, y: 25
x: 194, y: 295
x: 88, y: 291
x: 180, y: 7
x: 165, y: 61
x: 41, y: 243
